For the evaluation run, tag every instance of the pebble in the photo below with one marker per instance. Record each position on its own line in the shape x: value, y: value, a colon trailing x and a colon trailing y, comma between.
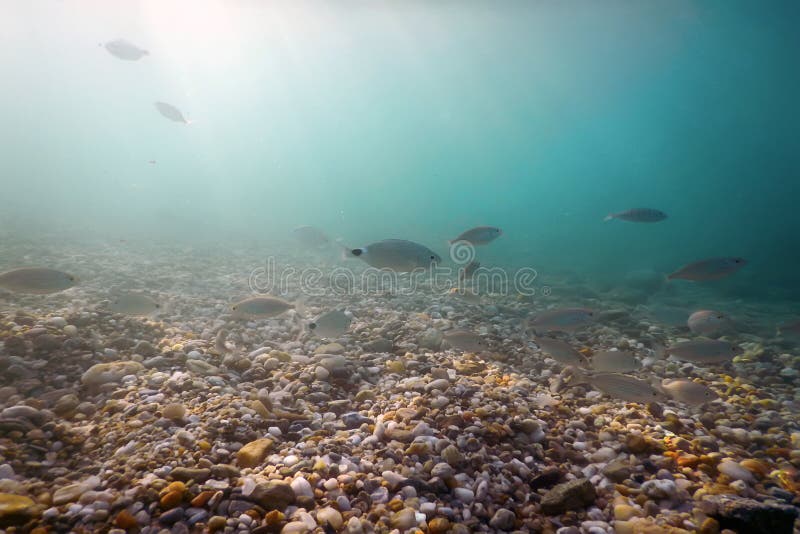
x: 330, y: 516
x: 253, y: 454
x: 503, y: 519
x: 302, y: 488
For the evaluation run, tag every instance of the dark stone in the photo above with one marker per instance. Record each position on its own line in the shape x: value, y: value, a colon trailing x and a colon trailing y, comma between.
x: 547, y: 479
x: 751, y: 516
x: 223, y: 471
x: 568, y: 496
x: 273, y: 495
x: 171, y: 517
x: 185, y: 474
x: 617, y: 471
x: 354, y: 420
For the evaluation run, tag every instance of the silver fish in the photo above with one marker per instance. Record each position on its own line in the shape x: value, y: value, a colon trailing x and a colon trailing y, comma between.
x: 708, y: 322
x: 560, y: 351
x: 688, y: 391
x: 703, y: 351
x: 615, y: 361
x: 396, y: 255
x: 480, y: 235
x: 625, y: 387
x: 133, y: 304
x: 710, y: 269
x: 36, y: 280
x: 122, y: 49
x: 310, y: 236
x: 331, y: 324
x: 639, y: 215
x: 562, y: 320
x: 260, y: 307
x: 171, y: 112
x: 466, y: 341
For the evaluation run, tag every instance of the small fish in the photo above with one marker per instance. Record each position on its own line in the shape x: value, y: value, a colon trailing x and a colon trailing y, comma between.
x: 310, y: 236
x: 396, y: 255
x: 710, y: 269
x: 639, y: 215
x: 703, y: 351
x: 152, y: 162
x: 260, y: 307
x: 122, y: 49
x: 708, y: 322
x: 331, y: 324
x: 467, y: 271
x: 133, y: 304
x: 467, y: 295
x: 615, y: 361
x: 623, y: 387
x: 480, y: 235
x: 171, y: 112
x: 466, y: 341
x: 562, y: 320
x: 560, y: 351
x: 688, y: 391
x: 36, y: 280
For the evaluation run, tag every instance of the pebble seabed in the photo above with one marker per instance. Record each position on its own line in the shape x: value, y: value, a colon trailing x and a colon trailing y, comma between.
x: 124, y: 424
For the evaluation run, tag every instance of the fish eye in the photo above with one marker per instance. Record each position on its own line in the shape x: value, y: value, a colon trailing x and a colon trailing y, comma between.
x: 234, y: 308
x: 312, y: 326
x: 158, y: 305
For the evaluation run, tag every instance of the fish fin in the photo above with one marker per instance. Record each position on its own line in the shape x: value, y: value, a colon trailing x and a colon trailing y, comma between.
x: 608, y: 217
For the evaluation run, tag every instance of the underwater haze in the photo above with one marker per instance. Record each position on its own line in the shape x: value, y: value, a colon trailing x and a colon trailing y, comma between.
x: 399, y: 266
x: 415, y: 120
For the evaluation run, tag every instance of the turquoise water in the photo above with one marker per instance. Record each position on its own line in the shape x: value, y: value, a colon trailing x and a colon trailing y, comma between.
x: 414, y: 120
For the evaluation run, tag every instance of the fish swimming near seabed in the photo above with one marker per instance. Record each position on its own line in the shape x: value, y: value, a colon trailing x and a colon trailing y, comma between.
x: 638, y: 215
x: 709, y: 269
x: 397, y: 255
x: 36, y: 280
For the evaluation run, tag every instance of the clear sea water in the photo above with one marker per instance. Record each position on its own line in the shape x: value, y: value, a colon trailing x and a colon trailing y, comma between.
x: 417, y: 120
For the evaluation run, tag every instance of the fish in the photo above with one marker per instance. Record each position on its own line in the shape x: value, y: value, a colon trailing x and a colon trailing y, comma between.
x: 562, y: 320
x: 710, y: 269
x: 396, y: 255
x: 638, y: 215
x: 467, y: 295
x: 260, y: 307
x: 122, y: 49
x: 708, y: 322
x: 310, y: 236
x: 331, y: 324
x: 615, y: 361
x: 465, y: 340
x: 133, y: 304
x: 171, y: 112
x: 480, y: 235
x: 622, y: 387
x: 560, y: 351
x: 688, y: 391
x: 703, y: 351
x: 36, y: 280
x: 468, y: 270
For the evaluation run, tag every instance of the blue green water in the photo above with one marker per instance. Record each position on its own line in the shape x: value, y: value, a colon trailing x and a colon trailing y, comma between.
x: 377, y: 119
